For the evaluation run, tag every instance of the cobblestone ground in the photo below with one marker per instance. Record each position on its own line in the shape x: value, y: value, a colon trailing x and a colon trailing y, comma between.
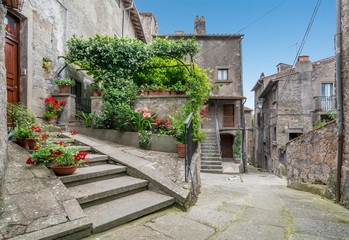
x: 254, y: 206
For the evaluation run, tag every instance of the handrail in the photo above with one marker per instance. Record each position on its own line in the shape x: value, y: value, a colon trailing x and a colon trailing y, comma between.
x: 218, y: 137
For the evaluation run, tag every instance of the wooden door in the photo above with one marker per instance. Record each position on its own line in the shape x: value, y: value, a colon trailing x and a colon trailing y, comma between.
x: 228, y: 115
x: 12, y: 59
x: 227, y: 146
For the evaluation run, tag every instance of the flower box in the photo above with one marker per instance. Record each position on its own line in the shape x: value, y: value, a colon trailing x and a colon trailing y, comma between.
x: 13, y: 3
x: 159, y: 93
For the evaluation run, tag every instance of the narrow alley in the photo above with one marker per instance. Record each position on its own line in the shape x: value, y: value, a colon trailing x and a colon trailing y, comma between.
x: 255, y: 205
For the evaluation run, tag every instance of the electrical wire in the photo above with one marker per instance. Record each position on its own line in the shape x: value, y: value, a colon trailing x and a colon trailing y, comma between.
x: 306, y: 34
x: 242, y: 29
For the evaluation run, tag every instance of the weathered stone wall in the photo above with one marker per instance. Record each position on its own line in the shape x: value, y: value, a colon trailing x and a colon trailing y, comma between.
x: 3, y: 102
x: 164, y: 106
x: 345, y: 80
x: 150, y: 25
x: 45, y: 27
x: 311, y: 159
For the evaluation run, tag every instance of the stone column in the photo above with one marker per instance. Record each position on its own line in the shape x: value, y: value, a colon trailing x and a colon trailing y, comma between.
x: 3, y: 102
x: 96, y: 105
x: 69, y: 109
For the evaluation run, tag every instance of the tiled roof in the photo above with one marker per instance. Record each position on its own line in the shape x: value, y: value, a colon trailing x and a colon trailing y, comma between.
x: 226, y: 97
x: 247, y: 109
x: 202, y: 35
x: 134, y: 14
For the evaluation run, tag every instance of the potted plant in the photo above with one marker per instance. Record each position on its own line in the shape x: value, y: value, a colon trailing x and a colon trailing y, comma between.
x: 96, y: 90
x: 65, y: 159
x: 64, y: 84
x: 19, y: 115
x: 8, y: 29
x: 237, y: 146
x: 25, y: 135
x: 55, y: 109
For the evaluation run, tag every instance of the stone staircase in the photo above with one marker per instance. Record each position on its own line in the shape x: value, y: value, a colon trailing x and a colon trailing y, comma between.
x: 211, y: 160
x: 107, y: 195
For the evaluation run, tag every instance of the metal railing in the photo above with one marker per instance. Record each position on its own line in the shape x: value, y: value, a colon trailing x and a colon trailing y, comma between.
x: 218, y: 136
x: 190, y: 145
x: 323, y: 103
x: 83, y: 105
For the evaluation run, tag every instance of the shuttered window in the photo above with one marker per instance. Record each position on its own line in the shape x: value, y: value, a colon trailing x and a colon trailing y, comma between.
x: 228, y: 115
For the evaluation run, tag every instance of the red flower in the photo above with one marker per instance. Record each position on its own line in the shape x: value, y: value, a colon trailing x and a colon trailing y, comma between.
x: 36, y: 148
x: 63, y: 103
x: 8, y: 26
x: 73, y: 132
x: 55, y: 107
x: 11, y: 31
x: 29, y: 161
x: 26, y: 118
x: 43, y: 136
x: 87, y: 163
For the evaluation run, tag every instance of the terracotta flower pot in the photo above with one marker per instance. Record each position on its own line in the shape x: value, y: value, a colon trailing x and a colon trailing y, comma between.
x: 95, y: 93
x: 52, y: 120
x: 237, y: 159
x: 64, y: 89
x: 101, y: 94
x: 173, y: 93
x: 63, y: 170
x: 26, y: 143
x: 181, y: 93
x: 181, y: 150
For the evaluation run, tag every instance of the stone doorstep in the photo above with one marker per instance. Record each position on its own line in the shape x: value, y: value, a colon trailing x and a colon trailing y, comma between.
x: 114, y: 213
x: 76, y: 229
x: 65, y: 140
x: 211, y: 166
x: 106, y: 188
x: 92, y: 172
x: 209, y: 158
x: 205, y: 163
x: 218, y: 171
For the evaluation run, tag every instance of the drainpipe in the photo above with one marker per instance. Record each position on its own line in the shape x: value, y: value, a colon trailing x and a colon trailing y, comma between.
x: 65, y: 37
x: 243, y: 135
x: 123, y: 17
x: 339, y: 99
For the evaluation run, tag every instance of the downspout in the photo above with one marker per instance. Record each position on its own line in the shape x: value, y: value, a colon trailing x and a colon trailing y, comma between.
x: 123, y: 18
x: 65, y: 37
x: 262, y: 142
x: 339, y: 99
x: 242, y: 112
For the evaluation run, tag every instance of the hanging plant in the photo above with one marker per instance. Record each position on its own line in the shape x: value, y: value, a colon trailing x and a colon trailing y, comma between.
x: 8, y: 29
x: 46, y: 65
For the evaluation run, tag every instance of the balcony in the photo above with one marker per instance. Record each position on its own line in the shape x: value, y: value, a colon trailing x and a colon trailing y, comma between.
x: 323, y: 104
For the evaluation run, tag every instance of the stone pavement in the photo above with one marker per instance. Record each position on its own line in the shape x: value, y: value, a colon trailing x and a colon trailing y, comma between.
x: 250, y: 206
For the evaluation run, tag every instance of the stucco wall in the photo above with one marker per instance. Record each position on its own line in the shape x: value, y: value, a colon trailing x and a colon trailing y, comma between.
x: 311, y: 158
x: 345, y: 80
x: 45, y: 26
x: 3, y: 102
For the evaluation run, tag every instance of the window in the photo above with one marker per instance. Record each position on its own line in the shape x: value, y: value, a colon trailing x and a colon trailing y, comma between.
x: 327, y: 100
x: 275, y: 97
x: 274, y: 133
x: 222, y: 74
x: 294, y: 135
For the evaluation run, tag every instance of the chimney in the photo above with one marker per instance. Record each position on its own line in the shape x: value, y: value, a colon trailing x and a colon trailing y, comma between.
x: 179, y: 32
x: 282, y: 67
x: 304, y: 64
x: 199, y: 26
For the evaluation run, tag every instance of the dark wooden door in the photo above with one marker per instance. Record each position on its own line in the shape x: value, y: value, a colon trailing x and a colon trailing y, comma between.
x: 227, y: 146
x: 12, y: 59
x: 228, y: 115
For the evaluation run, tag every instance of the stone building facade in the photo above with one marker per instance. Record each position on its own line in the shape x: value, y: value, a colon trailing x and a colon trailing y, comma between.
x: 249, y: 134
x: 221, y: 56
x: 311, y: 161
x: 345, y: 89
x: 294, y: 100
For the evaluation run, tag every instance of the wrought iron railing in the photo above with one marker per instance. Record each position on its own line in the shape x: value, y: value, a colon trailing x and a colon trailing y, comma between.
x: 323, y: 104
x: 190, y: 145
x: 218, y: 136
x: 83, y: 105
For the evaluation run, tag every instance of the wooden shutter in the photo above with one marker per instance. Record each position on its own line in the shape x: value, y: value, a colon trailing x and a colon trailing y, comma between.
x: 228, y: 115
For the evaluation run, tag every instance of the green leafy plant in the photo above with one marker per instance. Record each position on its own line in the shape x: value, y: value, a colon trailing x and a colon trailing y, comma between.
x: 162, y: 127
x: 94, y: 87
x: 8, y: 28
x: 18, y: 115
x: 332, y: 113
x: 54, y: 108
x: 319, y: 124
x: 59, y: 81
x: 237, y: 144
x: 26, y: 131
x: 86, y: 117
x: 141, y: 119
x: 144, y: 138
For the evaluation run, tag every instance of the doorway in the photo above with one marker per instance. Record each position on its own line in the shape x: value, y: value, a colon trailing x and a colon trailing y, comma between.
x: 227, y: 146
x: 12, y: 58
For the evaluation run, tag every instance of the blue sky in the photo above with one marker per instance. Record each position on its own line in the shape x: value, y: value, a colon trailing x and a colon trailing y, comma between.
x: 266, y: 42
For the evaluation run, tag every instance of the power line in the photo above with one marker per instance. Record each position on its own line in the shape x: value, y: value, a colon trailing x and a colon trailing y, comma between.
x: 248, y: 25
x: 306, y: 34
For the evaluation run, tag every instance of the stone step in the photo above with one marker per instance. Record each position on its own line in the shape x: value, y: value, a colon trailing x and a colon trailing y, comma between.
x: 209, y: 147
x: 208, y: 151
x: 92, y: 174
x: 96, y: 159
x: 65, y: 140
x: 219, y: 171
x: 211, y: 166
x: 90, y: 194
x: 207, y: 163
x: 210, y: 158
x: 82, y: 148
x: 114, y: 213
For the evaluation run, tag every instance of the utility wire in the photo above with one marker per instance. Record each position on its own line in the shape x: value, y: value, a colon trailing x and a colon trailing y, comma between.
x: 248, y: 25
x: 306, y: 34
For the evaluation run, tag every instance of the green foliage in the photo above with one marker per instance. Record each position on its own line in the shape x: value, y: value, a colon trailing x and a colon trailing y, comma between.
x: 319, y: 124
x: 63, y: 82
x: 86, y: 117
x: 141, y: 120
x: 332, y: 113
x: 19, y: 115
x: 144, y: 138
x: 46, y: 65
x: 237, y: 143
x: 162, y: 127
